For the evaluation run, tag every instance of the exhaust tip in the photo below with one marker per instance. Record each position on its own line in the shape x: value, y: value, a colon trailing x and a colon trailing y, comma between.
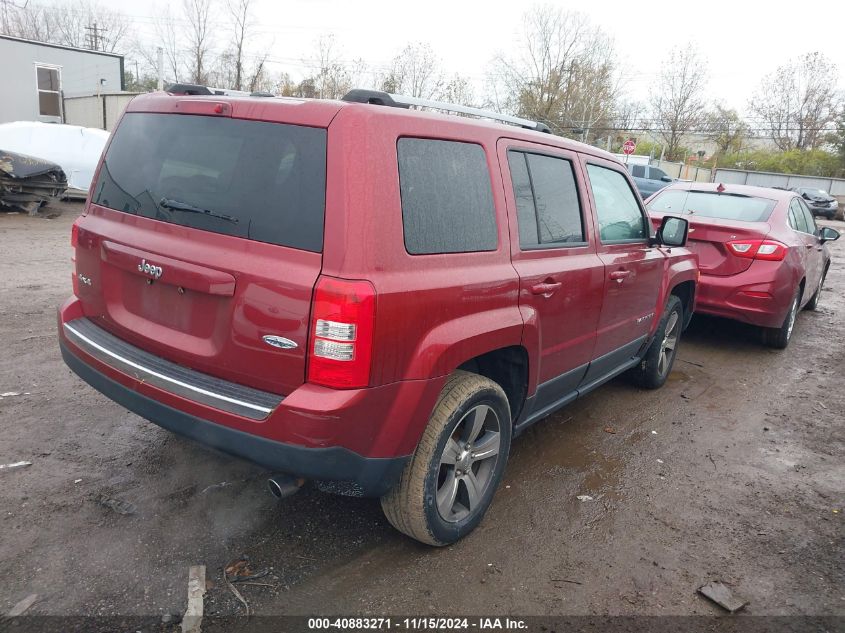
x: 282, y: 486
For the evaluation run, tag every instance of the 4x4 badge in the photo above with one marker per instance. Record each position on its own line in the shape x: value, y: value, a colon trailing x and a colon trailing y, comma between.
x: 279, y: 341
x: 150, y: 269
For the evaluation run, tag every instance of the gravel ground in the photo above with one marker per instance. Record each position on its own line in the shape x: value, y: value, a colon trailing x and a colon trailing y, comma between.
x: 734, y: 471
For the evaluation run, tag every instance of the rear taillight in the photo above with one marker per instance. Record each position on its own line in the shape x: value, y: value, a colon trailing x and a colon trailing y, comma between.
x: 74, y: 235
x: 74, y: 242
x: 769, y: 250
x: 342, y: 318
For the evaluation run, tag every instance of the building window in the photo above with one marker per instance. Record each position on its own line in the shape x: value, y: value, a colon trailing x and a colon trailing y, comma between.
x: 49, y: 83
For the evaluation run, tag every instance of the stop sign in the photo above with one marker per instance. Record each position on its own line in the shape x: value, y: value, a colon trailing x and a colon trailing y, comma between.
x: 629, y: 146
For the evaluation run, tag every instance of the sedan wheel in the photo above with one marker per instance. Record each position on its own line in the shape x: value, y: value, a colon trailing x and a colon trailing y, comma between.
x: 779, y: 337
x: 813, y: 303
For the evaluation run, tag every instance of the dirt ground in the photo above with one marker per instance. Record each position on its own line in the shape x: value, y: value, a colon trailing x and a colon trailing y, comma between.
x: 734, y: 471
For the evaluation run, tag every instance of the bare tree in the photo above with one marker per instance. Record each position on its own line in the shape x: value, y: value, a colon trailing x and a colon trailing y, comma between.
x: 332, y: 78
x: 799, y: 101
x: 28, y: 21
x: 564, y: 74
x: 167, y: 37
x: 198, y: 16
x: 416, y: 71
x: 242, y: 22
x: 678, y: 103
x: 458, y: 90
x: 725, y: 128
x: 82, y: 24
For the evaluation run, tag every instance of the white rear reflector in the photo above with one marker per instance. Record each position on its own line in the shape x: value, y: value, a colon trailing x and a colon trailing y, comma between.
x: 334, y: 330
x: 335, y: 351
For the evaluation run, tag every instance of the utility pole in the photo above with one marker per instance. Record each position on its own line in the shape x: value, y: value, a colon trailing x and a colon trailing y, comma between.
x: 95, y: 38
x: 160, y: 51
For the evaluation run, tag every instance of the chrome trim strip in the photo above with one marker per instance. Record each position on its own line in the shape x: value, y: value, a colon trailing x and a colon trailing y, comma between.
x: 156, y: 374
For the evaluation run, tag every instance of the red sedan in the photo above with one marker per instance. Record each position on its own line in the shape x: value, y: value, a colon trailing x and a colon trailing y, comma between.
x: 762, y: 257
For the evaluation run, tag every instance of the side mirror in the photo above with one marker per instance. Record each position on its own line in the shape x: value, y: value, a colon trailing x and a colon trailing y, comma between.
x: 827, y: 234
x: 806, y: 196
x: 672, y: 232
x: 666, y: 179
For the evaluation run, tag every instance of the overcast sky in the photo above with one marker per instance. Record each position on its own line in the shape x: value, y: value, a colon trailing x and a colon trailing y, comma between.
x: 742, y: 41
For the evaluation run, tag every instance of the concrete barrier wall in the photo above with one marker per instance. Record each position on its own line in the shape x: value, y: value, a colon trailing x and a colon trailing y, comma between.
x: 834, y: 186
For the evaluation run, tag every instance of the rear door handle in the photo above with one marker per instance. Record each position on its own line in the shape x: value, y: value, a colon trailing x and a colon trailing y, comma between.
x: 620, y: 275
x: 545, y: 289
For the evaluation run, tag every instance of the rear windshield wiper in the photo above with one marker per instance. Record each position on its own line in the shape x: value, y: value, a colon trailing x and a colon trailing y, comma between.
x: 178, y: 205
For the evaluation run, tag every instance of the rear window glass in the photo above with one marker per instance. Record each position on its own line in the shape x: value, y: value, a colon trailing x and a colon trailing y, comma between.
x: 713, y: 205
x: 250, y: 179
x: 447, y: 199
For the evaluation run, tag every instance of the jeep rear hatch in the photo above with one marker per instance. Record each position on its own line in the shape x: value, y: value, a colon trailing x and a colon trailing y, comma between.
x: 716, y: 219
x: 203, y: 242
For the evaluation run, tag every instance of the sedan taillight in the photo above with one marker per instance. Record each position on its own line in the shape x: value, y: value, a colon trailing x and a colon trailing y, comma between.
x: 769, y: 250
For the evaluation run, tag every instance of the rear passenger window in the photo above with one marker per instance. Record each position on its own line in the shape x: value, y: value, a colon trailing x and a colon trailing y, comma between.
x: 548, y: 210
x: 638, y: 171
x: 447, y: 199
x: 618, y: 213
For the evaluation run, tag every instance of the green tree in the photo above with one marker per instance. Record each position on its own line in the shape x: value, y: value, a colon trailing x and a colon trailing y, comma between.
x: 142, y: 83
x: 725, y: 128
x: 837, y: 140
x: 815, y: 162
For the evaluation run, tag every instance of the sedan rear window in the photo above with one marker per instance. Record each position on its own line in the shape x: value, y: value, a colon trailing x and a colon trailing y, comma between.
x: 712, y: 204
x: 261, y: 181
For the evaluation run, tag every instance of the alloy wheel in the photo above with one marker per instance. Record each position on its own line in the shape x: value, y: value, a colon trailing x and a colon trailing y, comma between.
x: 669, y: 343
x: 468, y: 463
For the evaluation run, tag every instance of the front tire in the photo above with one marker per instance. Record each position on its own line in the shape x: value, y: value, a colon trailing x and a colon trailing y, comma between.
x: 656, y: 365
x: 449, y: 483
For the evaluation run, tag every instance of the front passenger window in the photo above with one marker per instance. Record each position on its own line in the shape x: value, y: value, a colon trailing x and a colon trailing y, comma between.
x: 617, y: 209
x: 800, y: 219
x: 809, y: 220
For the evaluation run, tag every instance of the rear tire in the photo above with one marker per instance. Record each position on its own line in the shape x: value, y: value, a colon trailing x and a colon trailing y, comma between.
x: 656, y: 365
x: 449, y: 483
x: 779, y: 338
x: 813, y: 303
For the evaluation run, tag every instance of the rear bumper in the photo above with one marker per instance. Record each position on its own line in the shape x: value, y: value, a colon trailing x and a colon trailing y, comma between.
x: 361, y: 437
x: 759, y: 296
x: 369, y: 476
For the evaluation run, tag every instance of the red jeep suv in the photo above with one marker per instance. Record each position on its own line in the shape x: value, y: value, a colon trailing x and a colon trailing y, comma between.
x: 374, y: 297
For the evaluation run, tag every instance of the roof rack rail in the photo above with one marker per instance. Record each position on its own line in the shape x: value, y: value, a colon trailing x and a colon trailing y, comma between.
x: 187, y: 89
x: 377, y: 97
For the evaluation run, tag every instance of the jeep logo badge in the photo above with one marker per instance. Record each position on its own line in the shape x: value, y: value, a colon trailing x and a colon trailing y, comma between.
x: 150, y: 269
x: 279, y: 341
